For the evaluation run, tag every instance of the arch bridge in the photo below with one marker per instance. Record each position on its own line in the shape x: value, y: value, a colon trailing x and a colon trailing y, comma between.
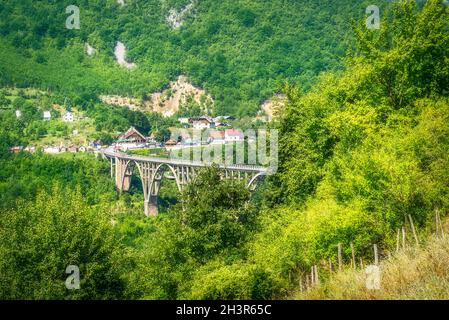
x: 152, y: 170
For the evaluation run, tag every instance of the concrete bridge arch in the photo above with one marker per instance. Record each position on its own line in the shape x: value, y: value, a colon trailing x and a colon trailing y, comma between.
x: 152, y: 170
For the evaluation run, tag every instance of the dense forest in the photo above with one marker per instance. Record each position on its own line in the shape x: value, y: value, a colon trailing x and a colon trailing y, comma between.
x: 360, y: 150
x: 238, y: 50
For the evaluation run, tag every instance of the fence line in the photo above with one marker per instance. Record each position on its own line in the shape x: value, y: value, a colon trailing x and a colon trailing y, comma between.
x: 312, y: 277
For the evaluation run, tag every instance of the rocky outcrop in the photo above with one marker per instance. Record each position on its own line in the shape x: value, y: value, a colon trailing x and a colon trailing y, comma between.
x: 170, y: 100
x: 167, y: 102
x: 270, y: 106
x: 131, y: 103
x: 176, y: 18
x: 120, y: 55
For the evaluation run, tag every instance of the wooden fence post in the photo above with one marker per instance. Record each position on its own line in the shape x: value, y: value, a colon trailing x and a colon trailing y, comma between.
x: 317, y: 280
x: 415, y: 235
x: 439, y: 224
x: 340, y: 260
x: 376, y: 256
x: 397, y: 241
x: 403, y: 237
x: 312, y: 275
x: 353, y: 256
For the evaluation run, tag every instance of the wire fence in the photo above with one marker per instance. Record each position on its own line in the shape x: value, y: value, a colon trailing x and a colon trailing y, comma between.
x: 406, y: 237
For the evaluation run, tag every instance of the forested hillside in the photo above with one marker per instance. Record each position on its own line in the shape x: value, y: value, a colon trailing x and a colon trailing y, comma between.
x: 238, y: 50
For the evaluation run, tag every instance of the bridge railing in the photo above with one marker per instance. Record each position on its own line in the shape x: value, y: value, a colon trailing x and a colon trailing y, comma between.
x: 242, y: 167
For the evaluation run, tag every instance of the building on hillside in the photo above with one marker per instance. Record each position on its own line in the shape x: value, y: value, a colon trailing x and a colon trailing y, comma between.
x: 133, y: 135
x: 183, y: 120
x: 151, y: 140
x: 187, y: 137
x: 234, y: 135
x: 216, y: 137
x: 16, y: 149
x: 82, y: 149
x: 202, y: 122
x: 68, y: 117
x: 18, y: 114
x: 222, y: 125
x: 171, y: 143
x: 131, y: 139
x: 97, y: 144
x: 47, y: 115
x: 52, y: 150
x: 224, y: 118
x: 223, y: 121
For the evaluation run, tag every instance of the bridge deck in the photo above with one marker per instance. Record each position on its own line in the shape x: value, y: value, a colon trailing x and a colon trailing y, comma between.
x: 237, y: 167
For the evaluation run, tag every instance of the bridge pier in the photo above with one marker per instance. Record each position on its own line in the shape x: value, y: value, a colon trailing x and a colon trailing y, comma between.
x: 150, y: 207
x: 123, y: 174
x: 112, y: 167
x: 126, y: 183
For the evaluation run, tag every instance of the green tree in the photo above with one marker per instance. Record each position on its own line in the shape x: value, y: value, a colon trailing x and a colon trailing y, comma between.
x: 213, y: 220
x: 39, y: 239
x: 163, y: 135
x: 408, y: 55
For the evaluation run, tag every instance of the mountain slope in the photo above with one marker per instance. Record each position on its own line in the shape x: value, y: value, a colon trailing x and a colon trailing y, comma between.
x: 238, y: 51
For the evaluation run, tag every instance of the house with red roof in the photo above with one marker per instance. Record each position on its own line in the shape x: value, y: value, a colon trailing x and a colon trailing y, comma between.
x: 202, y: 122
x: 234, y: 135
x: 216, y: 137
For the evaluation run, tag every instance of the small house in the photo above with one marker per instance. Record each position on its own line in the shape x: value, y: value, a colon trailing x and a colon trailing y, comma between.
x: 47, y: 115
x: 133, y: 136
x: 52, y: 150
x: 186, y: 137
x: 131, y: 139
x: 30, y: 149
x: 216, y: 137
x: 202, y: 123
x: 16, y: 149
x: 223, y: 121
x: 183, y: 120
x: 171, y: 143
x: 232, y: 135
x: 97, y: 144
